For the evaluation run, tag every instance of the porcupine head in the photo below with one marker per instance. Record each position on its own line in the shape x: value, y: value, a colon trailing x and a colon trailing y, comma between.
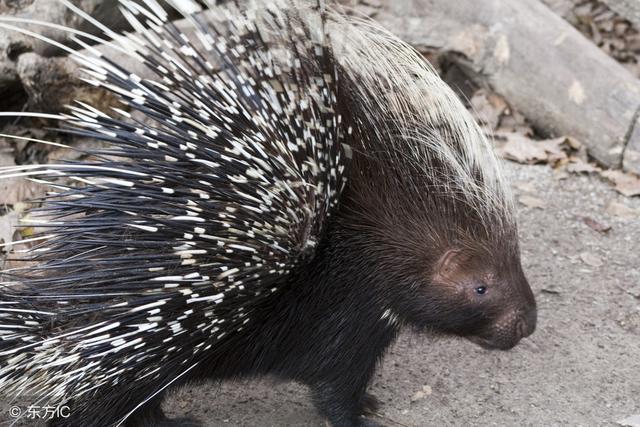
x: 426, y: 197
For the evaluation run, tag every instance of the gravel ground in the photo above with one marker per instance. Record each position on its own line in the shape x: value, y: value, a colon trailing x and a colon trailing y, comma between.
x: 580, y: 368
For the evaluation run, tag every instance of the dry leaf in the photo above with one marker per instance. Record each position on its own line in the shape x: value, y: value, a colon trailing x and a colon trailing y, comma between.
x: 513, y: 121
x: 559, y: 175
x: 621, y: 210
x: 526, y: 187
x: 8, y: 229
x: 532, y: 202
x: 625, y: 183
x: 577, y: 165
x: 595, y: 225
x: 17, y: 190
x: 557, y: 149
x: 553, y: 146
x: 6, y: 155
x: 488, y: 108
x: 14, y: 190
x: 591, y: 259
x: 573, y: 143
x: 521, y: 149
x: 498, y: 102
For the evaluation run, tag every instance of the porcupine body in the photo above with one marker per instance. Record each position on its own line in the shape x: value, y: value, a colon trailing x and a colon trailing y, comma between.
x: 290, y: 189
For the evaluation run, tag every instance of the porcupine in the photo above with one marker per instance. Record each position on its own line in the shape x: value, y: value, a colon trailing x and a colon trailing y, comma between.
x: 291, y: 188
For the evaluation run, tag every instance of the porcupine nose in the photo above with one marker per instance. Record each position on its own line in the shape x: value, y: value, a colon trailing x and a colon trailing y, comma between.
x: 526, y: 324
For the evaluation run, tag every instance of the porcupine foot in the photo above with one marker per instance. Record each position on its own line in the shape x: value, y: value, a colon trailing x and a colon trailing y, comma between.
x: 343, y: 411
x: 369, y: 404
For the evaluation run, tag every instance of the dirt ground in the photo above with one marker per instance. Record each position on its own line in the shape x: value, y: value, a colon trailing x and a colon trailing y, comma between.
x: 580, y: 368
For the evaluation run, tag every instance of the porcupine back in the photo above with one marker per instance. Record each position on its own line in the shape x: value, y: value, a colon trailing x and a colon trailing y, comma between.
x: 197, y: 213
x: 191, y: 218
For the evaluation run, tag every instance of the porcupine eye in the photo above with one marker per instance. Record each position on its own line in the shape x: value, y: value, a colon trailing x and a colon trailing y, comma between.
x: 481, y: 290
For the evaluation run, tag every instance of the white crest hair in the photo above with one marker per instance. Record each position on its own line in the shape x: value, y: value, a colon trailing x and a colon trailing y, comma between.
x: 432, y: 122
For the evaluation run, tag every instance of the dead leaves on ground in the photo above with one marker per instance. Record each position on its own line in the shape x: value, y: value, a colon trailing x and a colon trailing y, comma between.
x: 625, y: 183
x: 522, y: 149
x: 564, y: 153
x: 514, y: 141
x: 8, y: 231
x: 13, y: 193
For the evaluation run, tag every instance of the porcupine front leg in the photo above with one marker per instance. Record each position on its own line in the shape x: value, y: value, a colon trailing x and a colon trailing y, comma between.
x: 339, y: 390
x: 369, y: 404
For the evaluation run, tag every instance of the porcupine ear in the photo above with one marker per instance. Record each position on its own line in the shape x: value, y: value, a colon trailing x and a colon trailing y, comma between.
x: 223, y: 169
x: 448, y: 262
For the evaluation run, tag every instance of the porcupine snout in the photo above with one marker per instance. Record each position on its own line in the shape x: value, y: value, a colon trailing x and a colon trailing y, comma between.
x: 527, y: 323
x: 509, y: 329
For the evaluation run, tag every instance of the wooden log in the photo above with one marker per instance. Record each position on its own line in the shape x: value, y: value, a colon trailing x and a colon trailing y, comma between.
x: 546, y: 69
x: 631, y: 154
x: 629, y: 9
